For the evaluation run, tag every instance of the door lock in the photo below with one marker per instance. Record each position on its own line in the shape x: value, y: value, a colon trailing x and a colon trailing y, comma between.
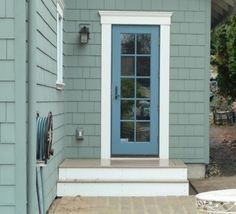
x: 116, y: 93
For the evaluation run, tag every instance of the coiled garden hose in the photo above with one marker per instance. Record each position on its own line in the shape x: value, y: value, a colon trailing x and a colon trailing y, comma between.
x: 44, y: 137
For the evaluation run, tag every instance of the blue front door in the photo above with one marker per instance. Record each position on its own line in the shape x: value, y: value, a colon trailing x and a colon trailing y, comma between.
x: 135, y: 91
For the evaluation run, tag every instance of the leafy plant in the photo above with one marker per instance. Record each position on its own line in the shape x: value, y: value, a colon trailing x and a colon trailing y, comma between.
x: 223, y: 47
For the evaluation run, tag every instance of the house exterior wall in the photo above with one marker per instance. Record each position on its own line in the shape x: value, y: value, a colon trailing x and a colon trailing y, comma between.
x: 14, y: 100
x: 8, y: 143
x: 48, y: 97
x: 189, y: 64
x: 79, y: 104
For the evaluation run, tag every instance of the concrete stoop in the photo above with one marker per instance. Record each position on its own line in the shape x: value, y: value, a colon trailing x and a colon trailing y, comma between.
x: 123, y: 177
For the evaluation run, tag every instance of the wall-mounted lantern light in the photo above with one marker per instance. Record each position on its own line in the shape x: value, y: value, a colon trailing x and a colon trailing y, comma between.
x: 84, y: 35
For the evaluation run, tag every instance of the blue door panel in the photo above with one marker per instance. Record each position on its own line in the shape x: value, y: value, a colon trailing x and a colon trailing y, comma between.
x: 135, y: 89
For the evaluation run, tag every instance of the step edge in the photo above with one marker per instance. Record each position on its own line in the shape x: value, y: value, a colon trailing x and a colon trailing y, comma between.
x: 80, y: 181
x: 123, y: 162
x: 124, y: 167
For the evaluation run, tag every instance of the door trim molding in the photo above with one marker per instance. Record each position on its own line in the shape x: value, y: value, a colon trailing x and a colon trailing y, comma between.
x: 109, y: 18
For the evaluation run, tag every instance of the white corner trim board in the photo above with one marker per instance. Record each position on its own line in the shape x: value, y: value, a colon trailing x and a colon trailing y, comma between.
x: 61, y: 3
x: 109, y: 18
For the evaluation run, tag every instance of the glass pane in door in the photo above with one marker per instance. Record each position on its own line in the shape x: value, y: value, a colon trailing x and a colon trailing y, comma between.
x: 127, y: 43
x: 127, y: 88
x: 142, y: 132
x: 143, y: 110
x: 127, y: 65
x: 127, y: 109
x: 143, y: 66
x: 143, y: 43
x: 127, y: 132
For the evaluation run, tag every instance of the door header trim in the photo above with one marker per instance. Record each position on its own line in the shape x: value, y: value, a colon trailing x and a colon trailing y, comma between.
x: 135, y: 17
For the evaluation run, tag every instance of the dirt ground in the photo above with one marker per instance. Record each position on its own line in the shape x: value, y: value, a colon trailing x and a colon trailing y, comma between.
x: 222, y: 151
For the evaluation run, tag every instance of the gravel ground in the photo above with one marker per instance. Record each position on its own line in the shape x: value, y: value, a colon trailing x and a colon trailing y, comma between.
x: 222, y: 151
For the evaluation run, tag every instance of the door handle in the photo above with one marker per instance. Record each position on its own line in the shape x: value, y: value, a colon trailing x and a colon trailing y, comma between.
x: 116, y: 93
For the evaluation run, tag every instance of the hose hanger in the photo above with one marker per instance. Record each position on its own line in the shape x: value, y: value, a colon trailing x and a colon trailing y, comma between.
x: 44, y: 138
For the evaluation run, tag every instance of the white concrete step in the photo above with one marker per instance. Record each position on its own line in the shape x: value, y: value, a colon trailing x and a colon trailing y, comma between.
x: 122, y: 169
x: 122, y: 173
x: 122, y: 178
x: 123, y: 188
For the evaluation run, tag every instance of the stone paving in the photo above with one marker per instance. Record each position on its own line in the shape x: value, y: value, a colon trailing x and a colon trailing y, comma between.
x: 141, y: 205
x: 124, y: 205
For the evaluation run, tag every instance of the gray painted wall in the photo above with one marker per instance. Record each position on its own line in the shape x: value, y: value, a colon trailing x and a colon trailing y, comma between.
x: 189, y: 65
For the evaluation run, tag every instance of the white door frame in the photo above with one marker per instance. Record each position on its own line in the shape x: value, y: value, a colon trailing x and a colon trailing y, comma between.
x: 109, y: 18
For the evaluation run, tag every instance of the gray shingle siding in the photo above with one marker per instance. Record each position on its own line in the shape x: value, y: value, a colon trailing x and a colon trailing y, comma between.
x: 7, y: 106
x: 48, y: 97
x: 189, y: 64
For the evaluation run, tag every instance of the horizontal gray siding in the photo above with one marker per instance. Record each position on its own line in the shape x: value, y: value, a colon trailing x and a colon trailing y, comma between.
x: 189, y: 83
x: 48, y: 97
x: 189, y: 64
x: 7, y: 109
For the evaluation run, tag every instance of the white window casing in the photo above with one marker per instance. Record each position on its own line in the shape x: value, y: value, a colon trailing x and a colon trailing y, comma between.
x: 109, y: 18
x: 59, y: 83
